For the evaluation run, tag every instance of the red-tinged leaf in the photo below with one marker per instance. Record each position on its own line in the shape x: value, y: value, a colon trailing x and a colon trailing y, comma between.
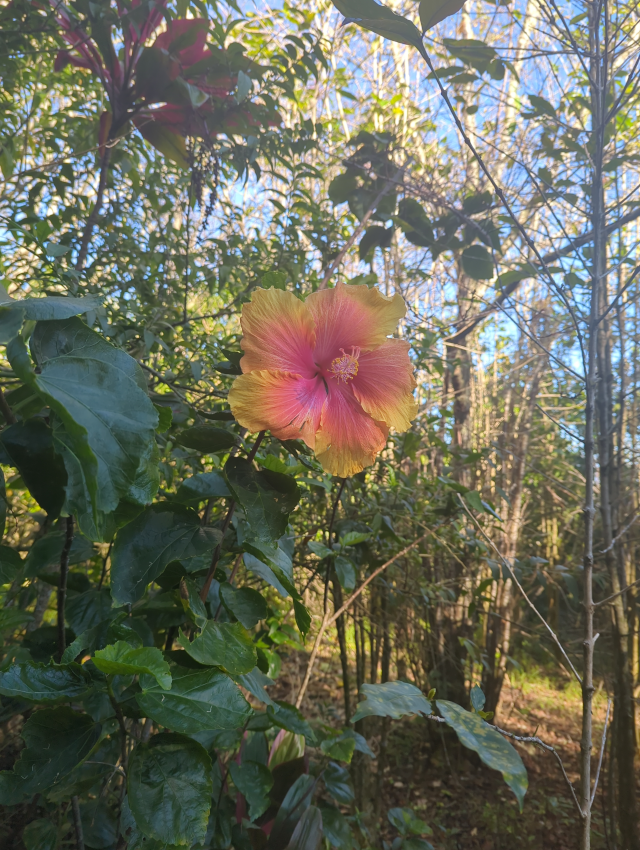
x: 167, y: 141
x: 186, y: 39
x: 64, y: 58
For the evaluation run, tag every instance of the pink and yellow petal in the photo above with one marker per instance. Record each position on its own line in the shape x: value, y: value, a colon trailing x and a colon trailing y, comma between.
x: 278, y: 333
x: 352, y: 316
x: 288, y: 405
x: 348, y: 439
x: 385, y: 383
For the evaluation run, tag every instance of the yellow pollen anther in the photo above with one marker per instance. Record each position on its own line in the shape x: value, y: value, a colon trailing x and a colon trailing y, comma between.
x: 345, y: 368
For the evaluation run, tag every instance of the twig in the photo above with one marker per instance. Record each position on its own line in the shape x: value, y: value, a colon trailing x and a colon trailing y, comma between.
x: 602, y: 746
x: 620, y: 533
x: 121, y: 724
x: 329, y: 621
x: 77, y: 822
x: 204, y: 592
x: 522, y: 590
x: 62, y: 586
x: 615, y: 595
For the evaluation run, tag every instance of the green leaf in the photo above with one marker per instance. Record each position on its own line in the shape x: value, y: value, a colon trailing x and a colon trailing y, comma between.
x: 204, y: 486
x: 288, y: 717
x: 542, y: 106
x: 474, y: 500
x: 56, y: 740
x: 99, y: 824
x: 40, y: 834
x: 45, y: 552
x: 477, y: 262
x: 246, y: 604
x: 11, y: 319
x: 226, y: 645
x: 255, y: 682
x: 120, y: 659
x: 434, y: 11
x: 336, y: 828
x: 351, y: 538
x: 414, y: 221
x: 57, y: 307
x: 10, y: 564
x: 478, y: 698
x: 48, y: 683
x: 29, y: 444
x: 374, y: 237
x: 341, y: 749
x: 207, y: 439
x: 267, y: 497
x: 308, y: 832
x: 98, y: 392
x: 346, y: 572
x: 391, y: 699
x: 494, y: 750
x: 165, y: 417
x: 319, y: 549
x: 381, y: 20
x: 143, y: 549
x: 342, y: 187
x: 169, y: 789
x: 198, y: 700
x: 13, y: 618
x: 253, y: 781
x: 86, y: 610
x: 338, y: 783
x: 407, y: 823
x: 302, y: 615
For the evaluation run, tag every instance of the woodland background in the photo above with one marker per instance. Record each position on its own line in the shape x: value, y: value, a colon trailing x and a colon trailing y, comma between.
x: 365, y: 179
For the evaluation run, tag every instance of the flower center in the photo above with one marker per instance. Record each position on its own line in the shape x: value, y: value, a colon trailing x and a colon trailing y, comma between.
x: 345, y: 367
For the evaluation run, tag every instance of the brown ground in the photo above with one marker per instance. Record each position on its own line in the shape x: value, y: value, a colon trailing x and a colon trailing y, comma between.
x: 467, y: 805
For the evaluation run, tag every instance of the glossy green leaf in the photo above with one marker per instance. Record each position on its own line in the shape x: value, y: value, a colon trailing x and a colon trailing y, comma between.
x: 55, y: 306
x: 86, y: 610
x: 99, y: 824
x: 338, y: 783
x: 494, y: 750
x: 46, y: 683
x: 169, y: 789
x: 160, y: 534
x: 336, y: 828
x: 56, y: 740
x: 341, y: 749
x: 201, y: 487
x: 254, y: 781
x: 255, y: 682
x: 407, y: 823
x: 98, y: 393
x: 267, y: 497
x: 29, y: 444
x: 120, y: 659
x: 478, y: 698
x: 288, y: 717
x: 391, y: 699
x: 207, y: 439
x: 226, y: 645
x: 197, y: 700
x: 246, y: 604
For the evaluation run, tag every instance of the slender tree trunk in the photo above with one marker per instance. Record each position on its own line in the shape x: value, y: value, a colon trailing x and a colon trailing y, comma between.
x: 344, y: 657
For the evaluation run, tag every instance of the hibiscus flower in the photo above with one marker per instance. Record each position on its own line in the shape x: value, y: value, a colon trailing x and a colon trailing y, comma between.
x: 325, y: 370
